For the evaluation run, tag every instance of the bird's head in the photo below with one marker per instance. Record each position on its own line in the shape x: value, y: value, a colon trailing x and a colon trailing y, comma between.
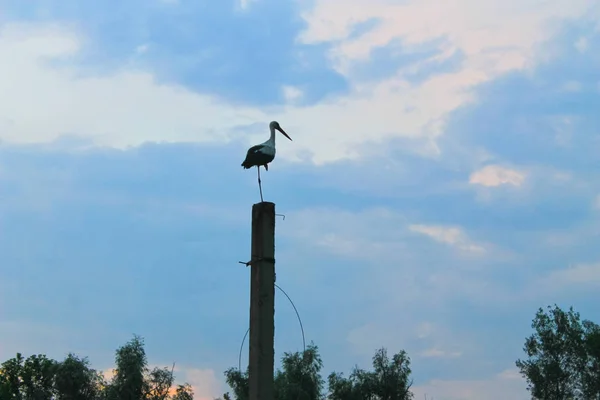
x: 274, y: 125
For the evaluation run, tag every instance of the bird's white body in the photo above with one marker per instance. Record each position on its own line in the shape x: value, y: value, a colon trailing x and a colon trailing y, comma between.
x: 262, y: 154
x: 269, y: 146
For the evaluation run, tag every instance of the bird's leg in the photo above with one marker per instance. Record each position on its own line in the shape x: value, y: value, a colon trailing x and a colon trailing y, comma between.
x: 266, y: 167
x: 259, y: 184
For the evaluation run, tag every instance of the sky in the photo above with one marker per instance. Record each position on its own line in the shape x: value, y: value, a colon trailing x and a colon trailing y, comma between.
x: 442, y: 183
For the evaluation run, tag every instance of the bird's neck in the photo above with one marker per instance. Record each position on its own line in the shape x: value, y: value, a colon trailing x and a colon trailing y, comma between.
x: 271, y: 140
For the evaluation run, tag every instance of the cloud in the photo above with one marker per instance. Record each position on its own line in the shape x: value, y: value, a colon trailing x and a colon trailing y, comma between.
x: 204, y: 382
x: 584, y: 275
x: 184, y: 51
x: 41, y: 103
x: 484, y: 35
x: 485, y: 31
x: 529, y: 118
x: 449, y: 235
x: 367, y: 338
x: 596, y: 203
x: 506, y: 384
x: 128, y: 106
x: 154, y: 101
x: 108, y: 373
x: 372, y: 232
x: 495, y: 175
x: 437, y: 353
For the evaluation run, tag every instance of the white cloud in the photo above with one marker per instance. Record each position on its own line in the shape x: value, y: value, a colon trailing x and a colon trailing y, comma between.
x: 364, y: 235
x: 368, y: 338
x: 439, y: 353
x: 577, y: 275
x: 495, y: 175
x: 424, y: 330
x: 582, y: 44
x: 387, y: 245
x: 495, y: 37
x: 292, y: 93
x: 108, y: 373
x: 204, y: 382
x: 142, y: 48
x: 507, y: 384
x: 596, y: 203
x: 365, y: 339
x: 439, y: 342
x: 376, y: 232
x: 449, y: 235
x: 572, y: 86
x: 39, y: 102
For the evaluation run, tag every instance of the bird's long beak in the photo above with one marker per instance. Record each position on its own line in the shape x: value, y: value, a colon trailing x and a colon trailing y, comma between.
x: 284, y: 134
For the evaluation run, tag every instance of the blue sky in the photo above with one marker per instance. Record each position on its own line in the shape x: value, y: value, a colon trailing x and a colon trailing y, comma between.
x: 441, y: 186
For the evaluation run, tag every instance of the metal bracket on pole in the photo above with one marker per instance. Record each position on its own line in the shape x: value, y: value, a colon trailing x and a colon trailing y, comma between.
x: 251, y: 262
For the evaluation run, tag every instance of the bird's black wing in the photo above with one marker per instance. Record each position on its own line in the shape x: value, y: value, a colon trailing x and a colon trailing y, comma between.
x: 254, y: 149
x: 251, y: 157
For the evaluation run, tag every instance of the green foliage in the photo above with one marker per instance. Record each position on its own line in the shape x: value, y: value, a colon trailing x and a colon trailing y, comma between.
x: 28, y: 379
x: 563, y: 362
x: 184, y: 392
x: 75, y: 380
x: 563, y: 356
x: 159, y: 382
x: 590, y: 380
x: 238, y: 382
x: 40, y: 378
x: 128, y: 382
x: 389, y: 380
x: 37, y: 377
x: 301, y: 376
x: 300, y: 379
x: 10, y: 378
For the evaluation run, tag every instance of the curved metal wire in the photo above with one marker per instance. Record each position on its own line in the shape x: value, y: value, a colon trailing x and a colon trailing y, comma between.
x: 297, y: 315
x: 241, y: 348
x: 299, y: 320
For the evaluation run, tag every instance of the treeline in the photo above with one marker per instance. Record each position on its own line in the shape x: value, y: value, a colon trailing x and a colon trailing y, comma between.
x: 563, y: 356
x: 563, y: 362
x: 41, y: 378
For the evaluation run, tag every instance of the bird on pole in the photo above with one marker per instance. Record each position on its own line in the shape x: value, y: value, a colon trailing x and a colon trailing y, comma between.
x: 262, y: 154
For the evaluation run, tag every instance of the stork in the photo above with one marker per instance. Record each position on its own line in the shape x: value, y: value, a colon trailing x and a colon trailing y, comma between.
x: 262, y: 154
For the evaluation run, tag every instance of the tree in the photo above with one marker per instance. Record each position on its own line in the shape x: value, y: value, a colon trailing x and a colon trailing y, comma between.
x: 10, y: 378
x: 37, y: 377
x: 562, y: 356
x: 40, y: 378
x: 238, y: 381
x: 128, y: 382
x: 389, y: 380
x: 28, y: 379
x: 299, y: 378
x: 75, y: 380
x: 184, y: 392
x: 159, y: 383
x: 591, y: 374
